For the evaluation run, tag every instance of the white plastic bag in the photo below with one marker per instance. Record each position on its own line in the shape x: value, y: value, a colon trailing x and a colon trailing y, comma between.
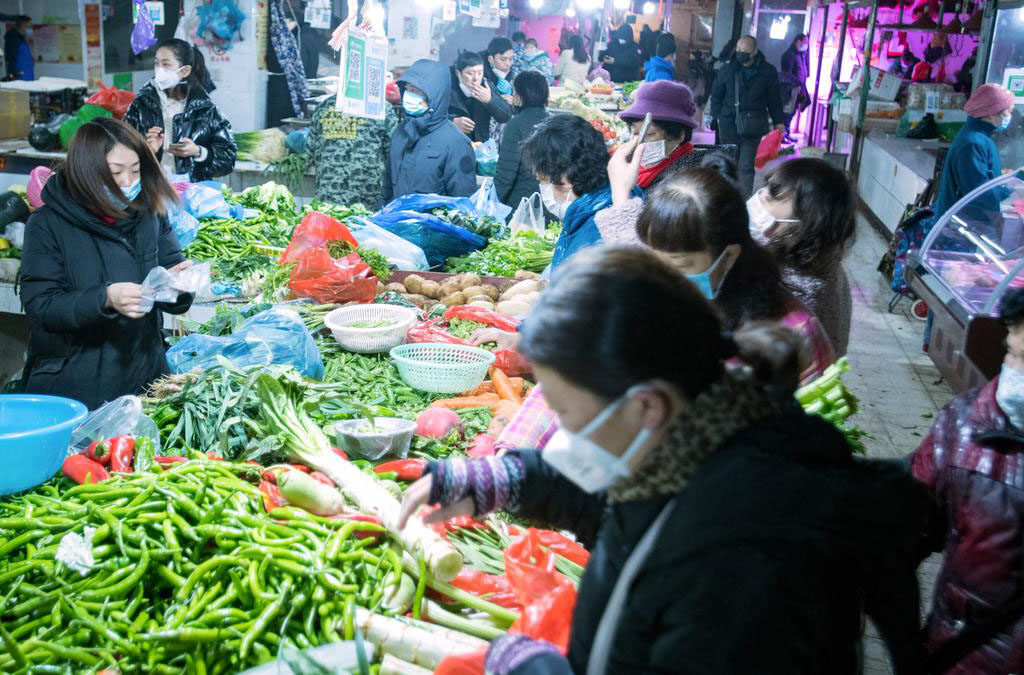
x: 162, y: 285
x: 485, y: 201
x: 121, y: 417
x: 529, y: 215
x: 15, y: 233
x: 401, y: 253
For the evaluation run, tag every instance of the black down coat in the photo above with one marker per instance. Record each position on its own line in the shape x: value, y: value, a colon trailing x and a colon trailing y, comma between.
x: 201, y: 122
x: 774, y: 549
x: 77, y: 347
x: 759, y: 92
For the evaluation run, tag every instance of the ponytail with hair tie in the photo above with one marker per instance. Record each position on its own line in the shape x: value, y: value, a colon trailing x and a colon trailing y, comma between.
x: 773, y: 353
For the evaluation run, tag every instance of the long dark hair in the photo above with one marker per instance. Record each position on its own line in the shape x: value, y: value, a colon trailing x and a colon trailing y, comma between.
x: 615, y: 317
x: 189, y: 55
x: 579, y: 50
x: 823, y: 203
x: 89, y: 179
x: 568, y: 146
x: 698, y: 209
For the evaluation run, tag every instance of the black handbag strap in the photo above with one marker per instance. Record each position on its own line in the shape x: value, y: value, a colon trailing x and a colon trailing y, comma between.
x: 737, y: 84
x: 974, y: 636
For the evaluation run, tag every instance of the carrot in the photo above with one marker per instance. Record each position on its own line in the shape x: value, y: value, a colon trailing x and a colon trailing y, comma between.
x: 503, y: 415
x: 518, y: 384
x: 503, y: 387
x: 464, y: 402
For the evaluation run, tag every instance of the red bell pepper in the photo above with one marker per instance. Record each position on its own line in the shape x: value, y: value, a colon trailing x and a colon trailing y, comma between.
x: 99, y: 452
x: 81, y: 469
x: 272, y: 498
x: 404, y: 469
x: 122, y: 454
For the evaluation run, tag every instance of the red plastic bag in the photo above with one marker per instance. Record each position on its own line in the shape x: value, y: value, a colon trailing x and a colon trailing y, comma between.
x: 560, y: 544
x: 315, y: 230
x: 495, y: 587
x: 116, y: 101
x: 768, y: 148
x: 512, y: 363
x: 548, y: 598
x: 484, y: 316
x: 470, y: 663
x: 319, y: 276
x: 429, y: 331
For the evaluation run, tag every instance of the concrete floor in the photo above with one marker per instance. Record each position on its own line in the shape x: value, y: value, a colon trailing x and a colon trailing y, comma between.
x: 900, y: 391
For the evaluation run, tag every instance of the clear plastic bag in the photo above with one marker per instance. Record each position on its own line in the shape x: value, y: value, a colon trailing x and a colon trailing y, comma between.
x: 15, y: 233
x: 486, y: 158
x: 485, y: 201
x: 204, y: 201
x: 184, y: 224
x: 529, y: 215
x: 438, y: 240
x: 162, y: 285
x: 403, y: 254
x: 277, y: 336
x: 121, y: 417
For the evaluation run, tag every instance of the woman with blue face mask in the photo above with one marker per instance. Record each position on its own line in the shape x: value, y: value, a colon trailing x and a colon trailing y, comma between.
x: 721, y: 519
x: 102, y: 230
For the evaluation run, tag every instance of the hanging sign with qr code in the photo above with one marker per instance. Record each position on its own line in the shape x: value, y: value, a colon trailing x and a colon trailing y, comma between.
x: 362, y: 80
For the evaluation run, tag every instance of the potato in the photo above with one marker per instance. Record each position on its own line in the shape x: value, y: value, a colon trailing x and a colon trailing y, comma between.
x: 395, y: 288
x: 381, y: 288
x: 469, y: 280
x: 525, y: 286
x: 490, y: 291
x: 413, y: 283
x: 449, y: 287
x: 418, y: 300
x: 456, y: 298
x: 513, y: 308
x: 483, y: 304
x: 523, y: 275
x: 529, y: 298
x: 431, y: 289
x: 479, y: 297
x: 470, y: 291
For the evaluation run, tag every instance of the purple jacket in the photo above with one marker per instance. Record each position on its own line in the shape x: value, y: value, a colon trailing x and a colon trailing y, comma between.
x: 972, y: 462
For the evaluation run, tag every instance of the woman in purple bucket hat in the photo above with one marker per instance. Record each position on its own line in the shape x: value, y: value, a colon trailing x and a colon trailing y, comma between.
x: 666, y: 146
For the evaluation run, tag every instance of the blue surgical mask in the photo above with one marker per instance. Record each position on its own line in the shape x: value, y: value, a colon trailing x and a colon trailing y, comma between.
x: 133, y: 190
x: 414, y: 104
x: 703, y: 280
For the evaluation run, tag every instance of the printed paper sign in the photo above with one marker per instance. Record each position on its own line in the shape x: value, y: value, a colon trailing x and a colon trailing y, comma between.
x: 1013, y: 79
x: 156, y: 12
x: 362, y: 75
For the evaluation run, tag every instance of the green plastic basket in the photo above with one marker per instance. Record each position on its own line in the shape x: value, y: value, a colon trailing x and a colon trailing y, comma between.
x: 442, y: 368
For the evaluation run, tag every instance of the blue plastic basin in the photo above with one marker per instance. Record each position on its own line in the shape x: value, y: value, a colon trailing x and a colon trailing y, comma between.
x: 34, y: 434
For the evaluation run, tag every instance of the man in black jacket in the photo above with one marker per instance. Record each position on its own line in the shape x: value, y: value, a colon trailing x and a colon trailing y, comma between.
x: 474, y: 99
x: 745, y: 95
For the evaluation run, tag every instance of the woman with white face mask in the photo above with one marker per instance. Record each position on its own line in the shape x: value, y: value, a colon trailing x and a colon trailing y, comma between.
x: 666, y: 146
x: 804, y: 215
x: 971, y: 465
x: 722, y: 520
x: 181, y: 124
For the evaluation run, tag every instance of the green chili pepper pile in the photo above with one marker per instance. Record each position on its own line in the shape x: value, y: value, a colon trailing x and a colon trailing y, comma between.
x: 228, y: 239
x: 372, y: 380
x: 190, y: 575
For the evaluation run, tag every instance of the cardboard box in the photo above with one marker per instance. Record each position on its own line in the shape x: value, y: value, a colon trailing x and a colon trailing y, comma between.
x: 883, y: 86
x: 15, y: 114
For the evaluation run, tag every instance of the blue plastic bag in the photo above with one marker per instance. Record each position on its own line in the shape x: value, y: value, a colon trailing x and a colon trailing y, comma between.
x: 184, y: 224
x: 222, y: 18
x: 429, y: 202
x: 144, y: 34
x: 203, y: 201
x: 438, y: 239
x: 296, y: 141
x: 403, y: 254
x: 277, y: 336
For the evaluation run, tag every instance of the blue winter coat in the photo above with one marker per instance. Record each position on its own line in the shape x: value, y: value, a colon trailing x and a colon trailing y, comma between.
x: 972, y: 160
x: 579, y: 229
x: 658, y: 68
x: 428, y: 153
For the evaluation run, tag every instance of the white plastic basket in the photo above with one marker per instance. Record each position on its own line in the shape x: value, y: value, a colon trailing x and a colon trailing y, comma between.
x: 370, y: 340
x: 389, y: 436
x: 442, y: 368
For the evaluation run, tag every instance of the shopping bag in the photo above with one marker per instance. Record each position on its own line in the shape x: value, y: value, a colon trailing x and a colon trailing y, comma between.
x: 768, y: 149
x: 162, y: 285
x: 327, y: 280
x: 512, y: 363
x: 37, y: 178
x: 438, y: 239
x: 548, y: 598
x: 204, y: 201
x: 112, y: 99
x: 529, y: 215
x: 315, y: 230
x: 144, y: 34
x: 403, y: 254
x: 485, y: 201
x: 121, y: 417
x: 184, y: 224
x: 423, y: 203
x: 469, y: 663
x: 484, y: 316
x: 486, y: 158
x: 430, y: 332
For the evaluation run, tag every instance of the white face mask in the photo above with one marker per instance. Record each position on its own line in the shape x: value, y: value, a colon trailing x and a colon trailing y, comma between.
x: 654, y: 153
x: 762, y: 222
x: 166, y: 79
x: 1010, y: 395
x: 551, y: 203
x: 586, y: 463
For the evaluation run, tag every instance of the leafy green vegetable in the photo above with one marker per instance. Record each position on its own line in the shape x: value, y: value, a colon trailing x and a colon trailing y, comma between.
x: 262, y: 145
x: 463, y: 328
x: 379, y: 265
x: 485, y: 226
x: 290, y: 170
x: 504, y: 257
x: 270, y: 198
x: 371, y: 323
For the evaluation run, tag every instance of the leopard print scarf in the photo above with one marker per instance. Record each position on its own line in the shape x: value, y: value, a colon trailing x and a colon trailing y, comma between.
x: 730, y: 404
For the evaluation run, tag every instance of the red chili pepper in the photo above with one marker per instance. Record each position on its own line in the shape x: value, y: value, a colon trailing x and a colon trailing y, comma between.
x: 99, y: 452
x: 214, y: 457
x: 170, y: 460
x: 360, y: 518
x: 404, y: 469
x: 122, y: 454
x: 272, y: 498
x: 322, y: 477
x: 340, y: 453
x: 81, y: 469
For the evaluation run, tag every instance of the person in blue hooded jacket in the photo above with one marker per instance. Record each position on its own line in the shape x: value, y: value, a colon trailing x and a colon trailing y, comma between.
x: 662, y: 66
x: 428, y: 154
x: 570, y: 160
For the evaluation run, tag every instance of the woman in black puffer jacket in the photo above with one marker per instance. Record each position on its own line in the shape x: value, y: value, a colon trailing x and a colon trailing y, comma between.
x: 181, y: 124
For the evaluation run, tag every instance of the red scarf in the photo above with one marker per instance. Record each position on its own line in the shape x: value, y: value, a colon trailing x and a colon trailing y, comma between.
x: 648, y: 175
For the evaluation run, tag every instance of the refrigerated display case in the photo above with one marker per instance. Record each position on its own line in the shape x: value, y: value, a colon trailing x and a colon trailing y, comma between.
x: 973, y: 255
